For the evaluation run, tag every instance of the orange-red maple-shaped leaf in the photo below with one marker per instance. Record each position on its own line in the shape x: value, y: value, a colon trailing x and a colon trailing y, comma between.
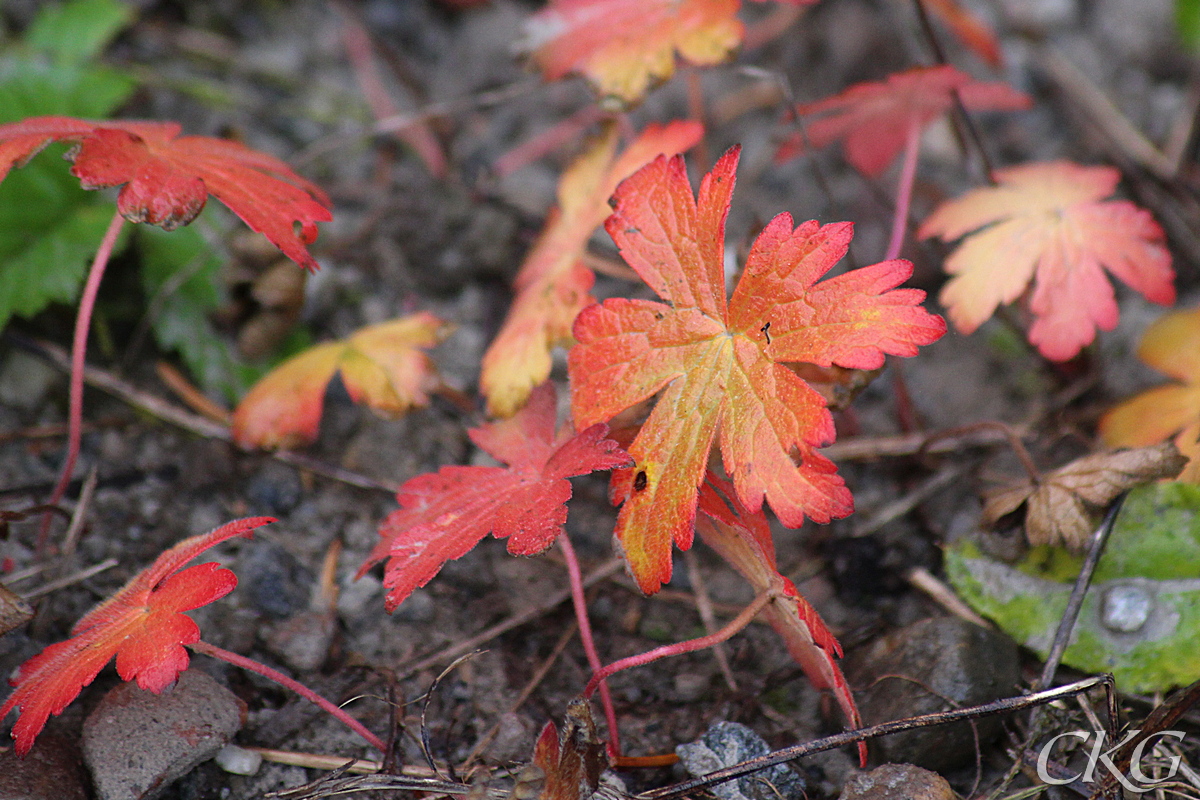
x: 443, y: 515
x: 1049, y: 223
x: 874, y: 119
x: 1172, y: 346
x: 623, y: 46
x: 553, y: 284
x: 143, y: 625
x: 381, y: 366
x: 166, y: 178
x: 743, y: 538
x: 717, y: 363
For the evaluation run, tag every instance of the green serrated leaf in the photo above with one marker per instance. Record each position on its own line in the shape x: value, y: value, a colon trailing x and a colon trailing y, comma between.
x: 77, y: 31
x: 180, y: 278
x: 1141, y: 617
x: 49, y: 231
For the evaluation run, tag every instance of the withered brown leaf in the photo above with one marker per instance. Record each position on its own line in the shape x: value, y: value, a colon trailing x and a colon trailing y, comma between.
x: 13, y: 611
x: 571, y: 759
x: 1062, y: 505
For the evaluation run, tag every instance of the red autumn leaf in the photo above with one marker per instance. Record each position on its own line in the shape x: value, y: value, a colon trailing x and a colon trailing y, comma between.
x: 969, y: 29
x: 381, y: 365
x: 742, y: 537
x: 718, y: 362
x: 1172, y: 346
x: 553, y: 284
x: 443, y: 515
x: 167, y: 178
x: 874, y: 119
x: 623, y: 46
x: 143, y: 625
x: 1049, y: 224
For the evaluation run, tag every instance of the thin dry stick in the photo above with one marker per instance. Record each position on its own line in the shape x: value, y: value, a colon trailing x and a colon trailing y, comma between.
x: 79, y: 515
x: 605, y: 570
x: 903, y: 505
x: 539, y: 675
x: 1004, y: 705
x: 1104, y: 114
x: 943, y: 595
x: 965, y: 128
x: 68, y: 580
x: 705, y: 607
x: 947, y: 440
x: 193, y: 423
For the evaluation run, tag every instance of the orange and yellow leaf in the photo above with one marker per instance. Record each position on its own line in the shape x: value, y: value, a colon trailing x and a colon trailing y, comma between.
x: 626, y: 46
x: 553, y: 284
x: 1049, y: 224
x: 382, y: 366
x: 1172, y: 346
x: 443, y: 515
x: 718, y: 365
x: 143, y: 625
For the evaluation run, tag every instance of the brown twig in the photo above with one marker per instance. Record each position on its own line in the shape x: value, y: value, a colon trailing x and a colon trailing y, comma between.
x: 1001, y: 706
x: 1101, y: 111
x: 605, y: 570
x: 705, y: 607
x: 193, y: 423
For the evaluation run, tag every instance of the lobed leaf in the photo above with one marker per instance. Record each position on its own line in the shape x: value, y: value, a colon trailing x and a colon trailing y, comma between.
x: 553, y: 284
x: 874, y: 118
x: 743, y: 538
x: 716, y: 365
x: 626, y: 46
x: 443, y: 515
x: 166, y: 179
x: 381, y: 365
x: 142, y: 625
x: 1048, y: 224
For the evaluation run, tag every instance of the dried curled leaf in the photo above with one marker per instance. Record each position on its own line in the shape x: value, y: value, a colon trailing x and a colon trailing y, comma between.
x: 571, y: 760
x: 13, y: 611
x: 1061, y: 506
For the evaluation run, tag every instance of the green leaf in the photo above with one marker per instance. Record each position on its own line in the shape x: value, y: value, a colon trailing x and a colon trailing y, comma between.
x: 1187, y: 22
x: 49, y: 231
x: 30, y: 89
x: 77, y: 31
x: 1141, y: 617
x: 180, y: 278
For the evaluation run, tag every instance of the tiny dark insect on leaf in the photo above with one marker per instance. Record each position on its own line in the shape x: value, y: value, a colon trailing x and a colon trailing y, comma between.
x: 640, y: 480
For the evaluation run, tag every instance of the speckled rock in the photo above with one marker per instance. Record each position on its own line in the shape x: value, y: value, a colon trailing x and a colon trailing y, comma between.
x: 135, y: 743
x: 898, y: 782
x: 727, y: 743
x: 922, y: 669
